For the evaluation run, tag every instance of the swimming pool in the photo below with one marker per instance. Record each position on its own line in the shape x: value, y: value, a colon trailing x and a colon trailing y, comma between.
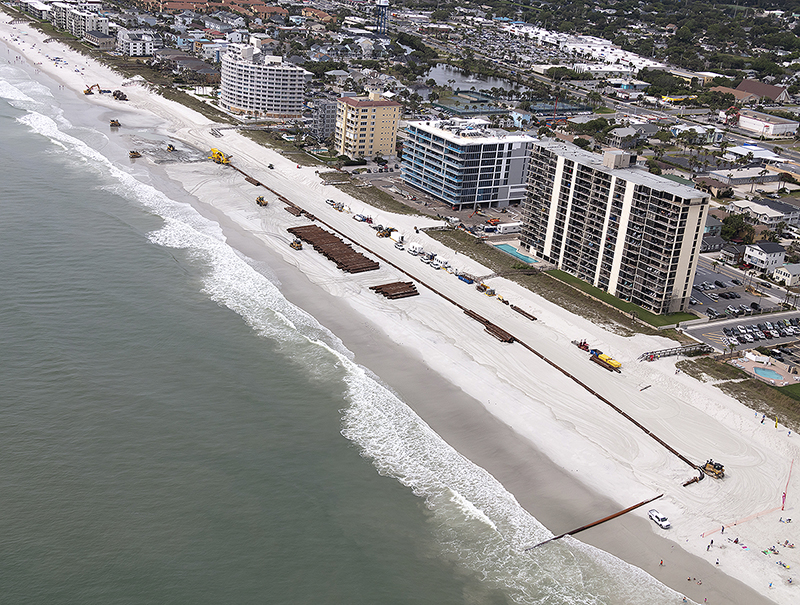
x: 513, y: 252
x: 767, y: 373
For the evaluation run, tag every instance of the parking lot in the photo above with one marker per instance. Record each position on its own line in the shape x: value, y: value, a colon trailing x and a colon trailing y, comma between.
x: 724, y: 296
x: 775, y: 331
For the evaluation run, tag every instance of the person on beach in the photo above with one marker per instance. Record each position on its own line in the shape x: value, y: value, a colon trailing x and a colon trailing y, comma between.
x: 723, y: 529
x: 662, y: 563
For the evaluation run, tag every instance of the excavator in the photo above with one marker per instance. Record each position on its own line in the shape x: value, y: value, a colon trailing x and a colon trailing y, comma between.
x: 219, y: 157
x: 89, y: 91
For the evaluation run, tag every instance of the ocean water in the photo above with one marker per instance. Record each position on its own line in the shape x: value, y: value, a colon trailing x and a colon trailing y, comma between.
x: 173, y: 430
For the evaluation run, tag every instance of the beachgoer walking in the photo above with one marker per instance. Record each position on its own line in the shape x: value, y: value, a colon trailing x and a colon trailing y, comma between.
x: 662, y: 563
x: 708, y: 547
x: 723, y: 529
x: 717, y: 561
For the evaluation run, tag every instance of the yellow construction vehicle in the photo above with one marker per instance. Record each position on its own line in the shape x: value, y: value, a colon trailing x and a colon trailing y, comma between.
x: 89, y: 91
x: 114, y: 123
x: 170, y: 147
x: 296, y: 244
x: 219, y: 157
x: 261, y: 201
x: 715, y: 469
x: 134, y: 154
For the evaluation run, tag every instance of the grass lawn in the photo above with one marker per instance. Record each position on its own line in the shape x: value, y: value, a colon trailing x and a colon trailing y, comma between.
x: 783, y: 402
x: 625, y: 307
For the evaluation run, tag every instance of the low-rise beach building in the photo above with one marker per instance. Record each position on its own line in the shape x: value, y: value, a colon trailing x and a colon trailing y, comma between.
x: 623, y: 230
x: 258, y: 84
x: 465, y: 163
x: 767, y: 256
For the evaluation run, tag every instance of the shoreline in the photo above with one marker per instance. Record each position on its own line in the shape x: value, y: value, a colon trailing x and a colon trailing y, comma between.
x: 473, y: 438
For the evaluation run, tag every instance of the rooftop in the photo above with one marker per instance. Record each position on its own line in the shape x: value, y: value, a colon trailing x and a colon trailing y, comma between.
x: 633, y: 175
x: 475, y: 131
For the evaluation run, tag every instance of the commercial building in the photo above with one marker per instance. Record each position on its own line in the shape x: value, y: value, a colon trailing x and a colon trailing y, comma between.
x: 764, y: 124
x: 258, y: 84
x: 465, y: 163
x: 366, y: 126
x: 618, y: 227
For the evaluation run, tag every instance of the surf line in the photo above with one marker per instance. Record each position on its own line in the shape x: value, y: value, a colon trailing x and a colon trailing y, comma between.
x: 595, y: 523
x: 471, y: 313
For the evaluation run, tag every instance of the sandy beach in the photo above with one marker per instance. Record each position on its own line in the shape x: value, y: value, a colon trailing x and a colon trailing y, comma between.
x: 567, y: 457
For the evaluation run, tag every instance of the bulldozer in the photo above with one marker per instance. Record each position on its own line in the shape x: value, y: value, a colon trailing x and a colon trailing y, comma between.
x: 714, y: 469
x: 261, y: 201
x: 219, y: 157
x: 134, y: 154
x: 114, y: 123
x: 296, y: 244
x: 170, y: 147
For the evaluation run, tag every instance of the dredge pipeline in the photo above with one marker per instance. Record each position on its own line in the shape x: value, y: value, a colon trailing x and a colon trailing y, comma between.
x: 510, y: 337
x: 595, y: 523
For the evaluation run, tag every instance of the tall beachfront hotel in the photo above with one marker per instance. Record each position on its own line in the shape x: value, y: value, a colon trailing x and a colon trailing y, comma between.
x: 257, y: 84
x: 465, y: 163
x: 366, y: 126
x: 618, y: 227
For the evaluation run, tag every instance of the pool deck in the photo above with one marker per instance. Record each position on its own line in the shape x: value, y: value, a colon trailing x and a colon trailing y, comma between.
x: 748, y: 365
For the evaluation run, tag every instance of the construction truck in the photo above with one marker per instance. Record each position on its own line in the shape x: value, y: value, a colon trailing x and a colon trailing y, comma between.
x: 219, y: 157
x: 714, y: 469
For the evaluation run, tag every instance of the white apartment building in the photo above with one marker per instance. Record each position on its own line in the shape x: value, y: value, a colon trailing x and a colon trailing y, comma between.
x: 618, y: 227
x: 138, y: 43
x: 258, y: 84
x: 465, y: 163
x: 72, y: 17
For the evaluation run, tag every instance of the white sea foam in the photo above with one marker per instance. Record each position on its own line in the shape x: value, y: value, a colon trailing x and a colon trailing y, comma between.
x: 478, y: 524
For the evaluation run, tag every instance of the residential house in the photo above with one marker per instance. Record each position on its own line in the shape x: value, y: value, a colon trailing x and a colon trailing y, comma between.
x: 767, y: 212
x: 713, y: 226
x: 788, y: 275
x: 732, y: 254
x: 711, y: 243
x: 766, y: 256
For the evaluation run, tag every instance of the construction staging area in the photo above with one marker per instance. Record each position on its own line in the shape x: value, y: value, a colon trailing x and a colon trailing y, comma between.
x: 333, y: 248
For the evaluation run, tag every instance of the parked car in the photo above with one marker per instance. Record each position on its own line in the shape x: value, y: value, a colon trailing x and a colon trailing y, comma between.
x: 658, y: 519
